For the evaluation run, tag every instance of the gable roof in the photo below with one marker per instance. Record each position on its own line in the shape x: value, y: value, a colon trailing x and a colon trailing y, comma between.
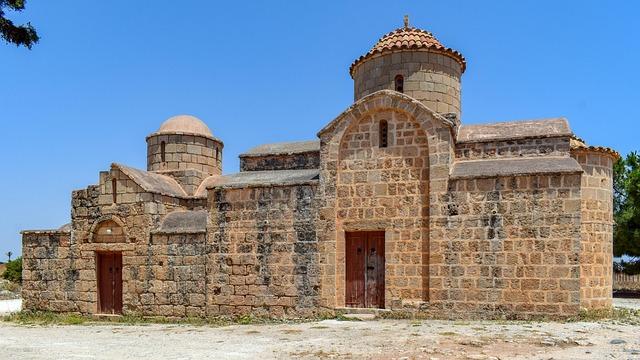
x: 258, y: 179
x: 385, y: 99
x: 152, y: 182
x: 513, y: 130
x: 514, y: 167
x: 284, y: 148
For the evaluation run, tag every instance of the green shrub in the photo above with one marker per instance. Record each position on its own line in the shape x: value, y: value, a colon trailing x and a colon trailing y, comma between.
x: 13, y: 271
x: 628, y: 267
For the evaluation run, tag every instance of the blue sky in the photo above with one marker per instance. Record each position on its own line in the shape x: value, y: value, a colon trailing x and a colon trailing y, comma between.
x: 107, y: 73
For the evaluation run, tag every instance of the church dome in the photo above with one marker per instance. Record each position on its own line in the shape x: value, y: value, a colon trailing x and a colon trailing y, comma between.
x: 408, y: 38
x: 185, y: 124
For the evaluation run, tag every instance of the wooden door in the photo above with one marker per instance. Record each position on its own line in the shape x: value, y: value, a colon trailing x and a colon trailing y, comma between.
x: 364, y: 269
x: 355, y: 264
x: 109, y: 283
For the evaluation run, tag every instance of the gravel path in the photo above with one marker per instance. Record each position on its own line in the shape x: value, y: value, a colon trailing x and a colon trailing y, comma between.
x: 381, y: 339
x: 627, y: 303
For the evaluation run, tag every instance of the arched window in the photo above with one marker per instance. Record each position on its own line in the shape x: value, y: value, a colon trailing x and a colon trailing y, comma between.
x: 108, y: 232
x: 163, y: 156
x: 384, y: 133
x: 114, y: 189
x: 399, y: 81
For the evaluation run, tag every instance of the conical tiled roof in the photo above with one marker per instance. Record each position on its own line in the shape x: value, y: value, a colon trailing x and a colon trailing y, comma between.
x: 406, y: 38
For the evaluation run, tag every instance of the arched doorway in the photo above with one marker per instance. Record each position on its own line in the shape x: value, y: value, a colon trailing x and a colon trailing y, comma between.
x: 109, y: 268
x: 382, y: 210
x: 349, y: 145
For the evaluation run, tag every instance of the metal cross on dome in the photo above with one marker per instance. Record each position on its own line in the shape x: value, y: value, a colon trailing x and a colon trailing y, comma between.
x: 406, y: 21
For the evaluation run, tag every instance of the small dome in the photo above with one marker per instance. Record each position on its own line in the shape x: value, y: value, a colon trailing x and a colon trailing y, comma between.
x: 185, y: 124
x: 407, y: 38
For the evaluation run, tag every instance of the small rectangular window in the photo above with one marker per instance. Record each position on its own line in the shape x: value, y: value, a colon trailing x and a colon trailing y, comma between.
x: 384, y: 134
x: 114, y: 189
x: 399, y: 83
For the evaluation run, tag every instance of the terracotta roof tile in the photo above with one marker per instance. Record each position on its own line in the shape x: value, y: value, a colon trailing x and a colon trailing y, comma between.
x: 579, y: 144
x: 409, y: 38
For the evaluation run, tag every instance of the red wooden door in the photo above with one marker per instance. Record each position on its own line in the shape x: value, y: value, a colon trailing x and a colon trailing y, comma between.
x: 355, y: 260
x: 110, y: 283
x: 364, y: 269
x: 374, y: 277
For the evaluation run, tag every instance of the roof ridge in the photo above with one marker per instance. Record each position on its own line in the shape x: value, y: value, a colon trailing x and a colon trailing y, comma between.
x: 131, y: 173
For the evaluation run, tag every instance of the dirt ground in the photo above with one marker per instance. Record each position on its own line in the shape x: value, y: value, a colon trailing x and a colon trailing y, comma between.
x: 329, y: 339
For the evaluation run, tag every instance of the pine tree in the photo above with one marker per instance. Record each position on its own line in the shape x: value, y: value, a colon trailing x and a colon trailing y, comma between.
x: 24, y: 35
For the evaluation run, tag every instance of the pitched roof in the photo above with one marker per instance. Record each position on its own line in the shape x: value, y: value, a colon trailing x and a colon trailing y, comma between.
x: 181, y: 222
x: 284, y: 148
x: 514, y: 167
x: 152, y: 182
x: 258, y: 179
x: 513, y: 130
x: 406, y: 38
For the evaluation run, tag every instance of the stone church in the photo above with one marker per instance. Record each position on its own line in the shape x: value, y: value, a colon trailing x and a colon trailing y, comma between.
x: 397, y: 205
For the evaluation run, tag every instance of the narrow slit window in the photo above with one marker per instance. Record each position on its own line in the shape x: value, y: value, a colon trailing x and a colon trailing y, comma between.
x: 163, y: 155
x: 384, y: 134
x: 399, y: 83
x: 114, y: 190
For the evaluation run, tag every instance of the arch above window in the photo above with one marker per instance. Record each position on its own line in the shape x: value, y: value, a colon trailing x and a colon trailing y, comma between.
x: 399, y: 83
x: 108, y: 231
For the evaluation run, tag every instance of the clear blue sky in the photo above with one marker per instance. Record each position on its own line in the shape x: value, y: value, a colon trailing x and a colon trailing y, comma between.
x: 107, y: 73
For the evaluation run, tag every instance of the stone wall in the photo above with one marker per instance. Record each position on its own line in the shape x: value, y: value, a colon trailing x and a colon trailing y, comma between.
x: 596, y: 256
x: 431, y: 78
x: 308, y: 160
x: 508, y: 247
x: 458, y: 243
x: 264, y: 251
x: 167, y: 276
x: 183, y: 151
x: 49, y: 277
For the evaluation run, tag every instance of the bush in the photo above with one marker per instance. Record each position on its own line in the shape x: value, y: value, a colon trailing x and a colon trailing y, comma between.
x: 13, y: 271
x: 628, y: 267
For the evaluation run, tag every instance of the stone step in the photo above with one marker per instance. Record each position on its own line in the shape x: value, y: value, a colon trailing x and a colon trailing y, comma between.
x: 362, y: 313
x: 363, y: 317
x: 351, y: 310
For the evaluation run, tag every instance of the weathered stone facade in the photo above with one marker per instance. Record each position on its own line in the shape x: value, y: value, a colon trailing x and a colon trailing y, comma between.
x: 596, y: 256
x: 506, y: 219
x: 264, y: 256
